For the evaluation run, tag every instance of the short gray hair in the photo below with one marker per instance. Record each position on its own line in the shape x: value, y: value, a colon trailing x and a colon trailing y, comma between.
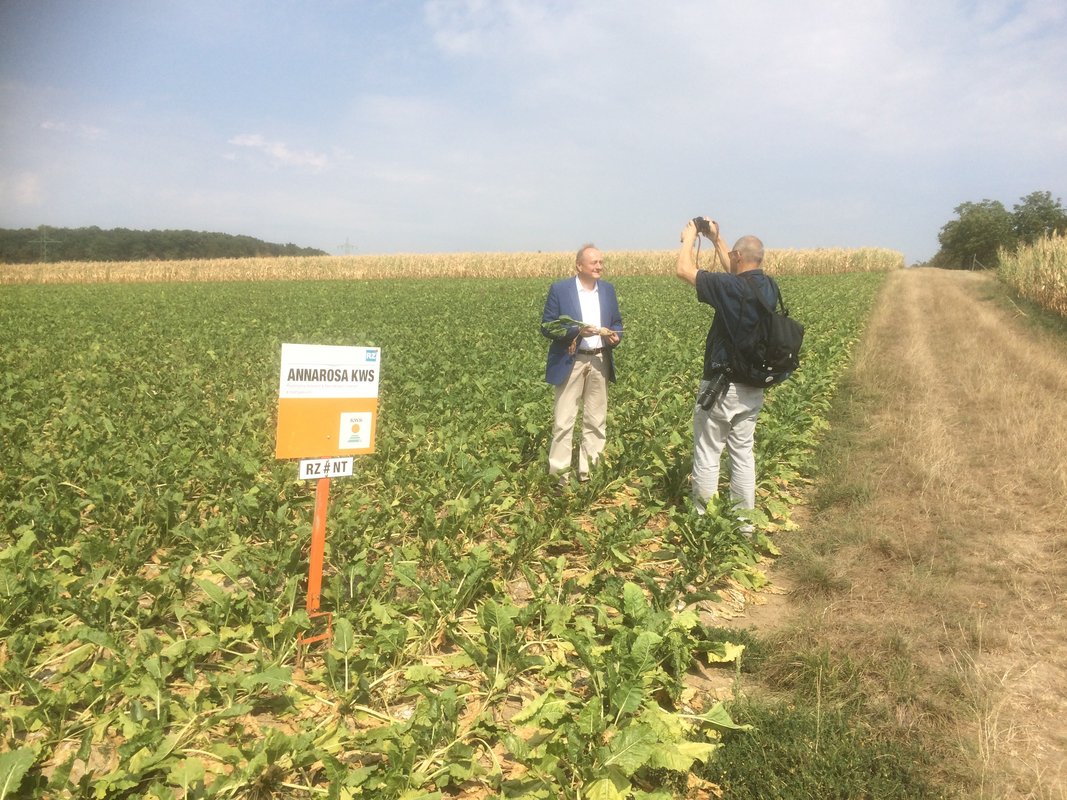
x: 750, y: 249
x: 581, y: 251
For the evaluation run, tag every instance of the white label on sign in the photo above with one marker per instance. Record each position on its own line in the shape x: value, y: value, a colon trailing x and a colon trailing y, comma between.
x: 311, y: 468
x: 355, y: 430
x: 324, y: 371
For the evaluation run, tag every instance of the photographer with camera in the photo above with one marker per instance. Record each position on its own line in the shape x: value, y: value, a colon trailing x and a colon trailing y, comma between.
x: 726, y: 411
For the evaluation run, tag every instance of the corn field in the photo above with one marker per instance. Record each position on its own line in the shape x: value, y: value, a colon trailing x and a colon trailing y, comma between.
x: 440, y: 265
x: 1039, y: 273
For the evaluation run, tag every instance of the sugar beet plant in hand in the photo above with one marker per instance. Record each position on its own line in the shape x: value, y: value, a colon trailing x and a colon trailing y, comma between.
x: 559, y: 327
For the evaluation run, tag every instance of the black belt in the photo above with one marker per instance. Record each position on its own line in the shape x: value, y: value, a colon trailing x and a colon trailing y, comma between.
x: 595, y: 352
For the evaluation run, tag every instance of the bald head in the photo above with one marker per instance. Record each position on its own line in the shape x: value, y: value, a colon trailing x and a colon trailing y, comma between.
x: 750, y: 248
x: 749, y: 251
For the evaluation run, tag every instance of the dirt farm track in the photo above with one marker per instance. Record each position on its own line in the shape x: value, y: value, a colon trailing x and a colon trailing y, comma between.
x: 949, y: 526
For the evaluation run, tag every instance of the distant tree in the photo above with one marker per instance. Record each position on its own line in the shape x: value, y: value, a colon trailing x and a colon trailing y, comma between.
x: 975, y: 237
x: 26, y: 245
x: 983, y: 229
x: 1038, y: 215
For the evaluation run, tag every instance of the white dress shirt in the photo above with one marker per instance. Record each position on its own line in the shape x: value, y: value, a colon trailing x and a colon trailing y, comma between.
x: 589, y: 299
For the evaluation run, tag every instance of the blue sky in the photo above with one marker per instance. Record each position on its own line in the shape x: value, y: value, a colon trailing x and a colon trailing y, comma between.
x: 470, y: 125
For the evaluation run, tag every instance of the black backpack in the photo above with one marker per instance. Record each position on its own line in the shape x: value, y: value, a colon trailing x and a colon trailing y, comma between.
x: 767, y: 353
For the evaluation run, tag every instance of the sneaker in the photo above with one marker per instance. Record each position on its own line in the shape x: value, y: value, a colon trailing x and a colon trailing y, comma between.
x: 746, y: 527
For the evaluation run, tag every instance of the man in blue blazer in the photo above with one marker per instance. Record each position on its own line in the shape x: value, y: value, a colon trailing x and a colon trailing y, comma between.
x: 580, y: 362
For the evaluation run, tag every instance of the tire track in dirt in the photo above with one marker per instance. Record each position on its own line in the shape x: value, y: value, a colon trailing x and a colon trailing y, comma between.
x: 995, y: 459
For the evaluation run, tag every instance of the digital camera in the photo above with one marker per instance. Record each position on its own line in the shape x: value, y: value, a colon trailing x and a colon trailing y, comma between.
x: 703, y: 225
x: 713, y: 392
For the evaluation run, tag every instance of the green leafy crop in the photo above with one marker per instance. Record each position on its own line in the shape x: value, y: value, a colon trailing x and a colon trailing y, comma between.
x: 487, y: 632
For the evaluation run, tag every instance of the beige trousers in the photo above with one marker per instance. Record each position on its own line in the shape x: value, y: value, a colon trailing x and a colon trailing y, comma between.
x: 587, y: 385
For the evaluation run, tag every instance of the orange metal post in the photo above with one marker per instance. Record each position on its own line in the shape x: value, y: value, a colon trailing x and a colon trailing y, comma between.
x: 318, y: 543
x: 318, y: 549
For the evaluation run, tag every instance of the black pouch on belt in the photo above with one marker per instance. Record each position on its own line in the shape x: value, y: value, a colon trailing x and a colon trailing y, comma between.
x: 716, y: 388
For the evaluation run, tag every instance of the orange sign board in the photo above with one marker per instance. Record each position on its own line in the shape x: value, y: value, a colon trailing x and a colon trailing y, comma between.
x: 327, y: 401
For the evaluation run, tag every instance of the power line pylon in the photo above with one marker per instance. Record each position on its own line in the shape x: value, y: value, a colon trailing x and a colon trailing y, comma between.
x: 44, y: 241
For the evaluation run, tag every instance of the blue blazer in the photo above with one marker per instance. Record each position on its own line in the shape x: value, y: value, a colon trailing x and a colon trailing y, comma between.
x: 563, y: 300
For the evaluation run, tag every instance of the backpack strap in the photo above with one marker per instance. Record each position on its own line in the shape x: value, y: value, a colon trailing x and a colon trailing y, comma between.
x: 759, y: 296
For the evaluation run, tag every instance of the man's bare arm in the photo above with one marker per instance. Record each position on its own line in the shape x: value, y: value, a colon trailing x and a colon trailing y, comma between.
x: 686, y: 266
x: 720, y: 246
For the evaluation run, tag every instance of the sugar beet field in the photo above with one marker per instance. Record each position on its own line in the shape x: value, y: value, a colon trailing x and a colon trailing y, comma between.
x: 490, y: 637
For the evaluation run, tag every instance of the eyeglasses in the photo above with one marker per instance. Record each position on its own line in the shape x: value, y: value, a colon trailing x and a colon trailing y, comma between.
x: 735, y: 253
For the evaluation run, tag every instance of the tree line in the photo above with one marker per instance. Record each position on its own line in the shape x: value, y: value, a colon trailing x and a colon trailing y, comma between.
x: 43, y: 244
x: 981, y: 230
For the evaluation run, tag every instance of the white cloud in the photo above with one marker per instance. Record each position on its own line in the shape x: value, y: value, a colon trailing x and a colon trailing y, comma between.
x: 551, y: 31
x: 82, y: 131
x: 281, y: 154
x: 537, y: 123
x: 826, y: 119
x: 901, y: 78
